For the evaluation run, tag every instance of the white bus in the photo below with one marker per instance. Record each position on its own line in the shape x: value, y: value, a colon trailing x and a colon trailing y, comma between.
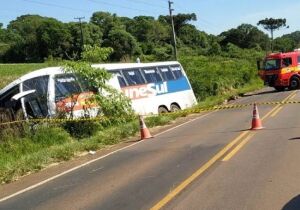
x: 152, y: 87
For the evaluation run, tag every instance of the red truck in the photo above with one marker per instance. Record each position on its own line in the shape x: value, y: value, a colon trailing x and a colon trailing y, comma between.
x: 281, y: 70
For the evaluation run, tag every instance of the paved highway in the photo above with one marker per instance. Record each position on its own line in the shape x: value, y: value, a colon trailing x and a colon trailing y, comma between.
x: 210, y: 162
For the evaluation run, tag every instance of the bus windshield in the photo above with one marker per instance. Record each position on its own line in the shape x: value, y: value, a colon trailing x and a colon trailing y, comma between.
x: 272, y: 64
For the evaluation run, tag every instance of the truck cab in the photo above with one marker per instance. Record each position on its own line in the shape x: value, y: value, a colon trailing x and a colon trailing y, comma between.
x: 281, y: 70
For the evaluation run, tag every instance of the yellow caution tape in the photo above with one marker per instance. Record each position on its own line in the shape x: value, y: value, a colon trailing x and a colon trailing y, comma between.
x: 187, y: 111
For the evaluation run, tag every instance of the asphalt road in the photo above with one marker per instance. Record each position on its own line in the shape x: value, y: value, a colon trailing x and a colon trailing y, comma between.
x: 211, y: 162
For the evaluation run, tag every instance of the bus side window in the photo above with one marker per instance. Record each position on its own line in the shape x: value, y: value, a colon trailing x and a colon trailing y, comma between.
x: 133, y: 77
x: 152, y: 75
x: 166, y: 73
x: 66, y: 85
x: 176, y: 71
x: 120, y: 77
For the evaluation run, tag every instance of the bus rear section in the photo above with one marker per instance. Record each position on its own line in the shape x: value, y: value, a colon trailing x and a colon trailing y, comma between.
x: 281, y: 70
x: 154, y: 87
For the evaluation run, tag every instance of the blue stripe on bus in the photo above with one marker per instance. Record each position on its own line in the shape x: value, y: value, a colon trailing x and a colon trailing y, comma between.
x: 176, y: 85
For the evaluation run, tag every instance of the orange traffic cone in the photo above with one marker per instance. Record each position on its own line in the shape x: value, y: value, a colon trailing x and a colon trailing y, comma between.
x: 145, y: 133
x: 256, y: 122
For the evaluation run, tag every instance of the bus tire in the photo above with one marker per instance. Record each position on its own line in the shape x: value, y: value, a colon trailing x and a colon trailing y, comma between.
x: 294, y: 83
x: 174, y: 107
x: 162, y: 110
x: 279, y: 88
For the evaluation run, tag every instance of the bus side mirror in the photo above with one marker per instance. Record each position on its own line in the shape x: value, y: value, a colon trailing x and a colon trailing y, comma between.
x: 22, y: 95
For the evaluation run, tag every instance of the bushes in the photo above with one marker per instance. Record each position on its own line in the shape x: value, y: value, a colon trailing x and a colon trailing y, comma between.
x: 81, y: 129
x: 210, y: 76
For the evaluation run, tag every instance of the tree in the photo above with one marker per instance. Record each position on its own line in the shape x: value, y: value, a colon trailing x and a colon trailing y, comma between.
x: 180, y: 20
x: 92, y: 36
x: 244, y: 36
x: 26, y: 49
x: 271, y: 24
x: 141, y: 28
x: 112, y: 103
x: 284, y: 44
x: 106, y: 21
x: 295, y: 36
x: 53, y: 39
x: 123, y: 43
x: 192, y: 37
x: 95, y: 54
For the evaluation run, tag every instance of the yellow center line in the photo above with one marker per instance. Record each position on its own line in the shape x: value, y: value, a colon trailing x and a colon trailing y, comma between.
x: 196, y: 174
x: 271, y: 113
x: 293, y: 96
x: 277, y: 111
x: 238, y: 147
x: 234, y: 151
x: 208, y: 164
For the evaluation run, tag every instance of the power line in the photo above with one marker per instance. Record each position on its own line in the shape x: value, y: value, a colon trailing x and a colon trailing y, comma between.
x: 116, y: 5
x: 148, y: 4
x: 56, y: 5
x: 208, y: 24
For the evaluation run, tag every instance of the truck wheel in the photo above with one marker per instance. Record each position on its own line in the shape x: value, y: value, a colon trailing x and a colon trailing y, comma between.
x: 294, y: 83
x: 279, y: 88
x: 162, y: 110
x: 174, y: 108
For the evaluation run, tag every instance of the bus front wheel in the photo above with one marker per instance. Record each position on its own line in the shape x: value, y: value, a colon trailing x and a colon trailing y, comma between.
x: 294, y: 83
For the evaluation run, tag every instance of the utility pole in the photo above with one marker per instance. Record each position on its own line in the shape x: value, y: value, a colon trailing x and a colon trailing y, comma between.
x: 80, y: 23
x: 173, y: 29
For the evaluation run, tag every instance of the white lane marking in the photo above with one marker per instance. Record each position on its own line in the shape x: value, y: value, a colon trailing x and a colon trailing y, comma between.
x: 63, y: 173
x: 183, y: 124
x: 91, y: 161
x: 97, y: 169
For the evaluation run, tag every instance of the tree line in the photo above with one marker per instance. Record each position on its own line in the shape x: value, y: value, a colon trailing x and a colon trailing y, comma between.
x: 33, y: 38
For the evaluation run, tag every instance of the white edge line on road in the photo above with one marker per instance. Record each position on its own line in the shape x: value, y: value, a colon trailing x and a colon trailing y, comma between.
x: 170, y: 129
x: 91, y: 161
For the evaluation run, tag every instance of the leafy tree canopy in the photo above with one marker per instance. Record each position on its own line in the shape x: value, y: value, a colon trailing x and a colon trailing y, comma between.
x: 179, y: 20
x: 272, y: 24
x: 244, y: 36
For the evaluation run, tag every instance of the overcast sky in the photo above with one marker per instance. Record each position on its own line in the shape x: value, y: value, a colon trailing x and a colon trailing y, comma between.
x: 214, y: 16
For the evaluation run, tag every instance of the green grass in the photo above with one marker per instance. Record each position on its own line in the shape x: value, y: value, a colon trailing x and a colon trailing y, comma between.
x: 52, y: 144
x: 10, y: 72
x: 219, y: 99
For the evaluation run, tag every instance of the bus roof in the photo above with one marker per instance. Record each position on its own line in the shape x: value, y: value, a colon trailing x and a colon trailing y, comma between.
x: 115, y: 66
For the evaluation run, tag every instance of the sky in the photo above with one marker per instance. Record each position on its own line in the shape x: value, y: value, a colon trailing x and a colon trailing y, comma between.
x: 213, y: 16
